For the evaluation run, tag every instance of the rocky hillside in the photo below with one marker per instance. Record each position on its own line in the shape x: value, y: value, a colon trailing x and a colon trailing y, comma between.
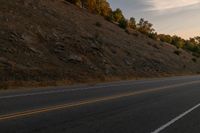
x: 49, y: 42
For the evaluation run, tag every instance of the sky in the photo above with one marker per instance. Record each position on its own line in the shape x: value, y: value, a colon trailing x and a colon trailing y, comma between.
x: 174, y: 17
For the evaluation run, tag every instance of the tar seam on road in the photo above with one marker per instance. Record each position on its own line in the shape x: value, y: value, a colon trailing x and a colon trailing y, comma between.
x: 163, y: 127
x: 90, y: 101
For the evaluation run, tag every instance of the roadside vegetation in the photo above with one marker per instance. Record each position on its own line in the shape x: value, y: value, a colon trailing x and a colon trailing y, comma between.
x: 103, y: 8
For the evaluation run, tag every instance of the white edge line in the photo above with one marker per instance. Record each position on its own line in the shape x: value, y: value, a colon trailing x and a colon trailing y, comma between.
x: 163, y: 127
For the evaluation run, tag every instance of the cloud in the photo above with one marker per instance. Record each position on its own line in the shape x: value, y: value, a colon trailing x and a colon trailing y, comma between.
x: 162, y: 5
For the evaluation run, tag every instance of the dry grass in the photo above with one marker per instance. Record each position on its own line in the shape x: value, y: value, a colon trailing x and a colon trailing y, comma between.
x: 92, y: 82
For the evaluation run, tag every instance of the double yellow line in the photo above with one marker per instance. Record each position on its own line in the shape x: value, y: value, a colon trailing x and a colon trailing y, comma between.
x: 85, y: 102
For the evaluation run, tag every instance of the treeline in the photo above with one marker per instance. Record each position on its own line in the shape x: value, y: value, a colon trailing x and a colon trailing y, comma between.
x: 192, y: 44
x: 102, y: 7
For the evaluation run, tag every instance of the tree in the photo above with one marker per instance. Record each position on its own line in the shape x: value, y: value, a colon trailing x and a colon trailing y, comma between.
x: 145, y: 27
x: 154, y: 36
x: 103, y: 8
x: 178, y: 41
x: 165, y: 38
x: 123, y: 23
x: 132, y: 23
x: 91, y: 5
x: 118, y: 15
x: 197, y: 39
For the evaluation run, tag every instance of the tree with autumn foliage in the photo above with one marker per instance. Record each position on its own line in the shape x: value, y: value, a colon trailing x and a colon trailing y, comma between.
x: 145, y: 27
x: 101, y: 7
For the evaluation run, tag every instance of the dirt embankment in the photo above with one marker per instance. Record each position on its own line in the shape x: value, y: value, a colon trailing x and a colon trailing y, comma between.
x: 51, y: 42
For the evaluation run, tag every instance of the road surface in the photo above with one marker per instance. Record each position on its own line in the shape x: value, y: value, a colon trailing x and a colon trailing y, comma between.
x: 166, y: 105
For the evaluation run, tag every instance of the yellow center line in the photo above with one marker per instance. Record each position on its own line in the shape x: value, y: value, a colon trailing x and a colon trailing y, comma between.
x: 85, y: 102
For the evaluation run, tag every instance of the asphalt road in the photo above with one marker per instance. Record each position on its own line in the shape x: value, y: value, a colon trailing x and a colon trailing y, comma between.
x: 167, y: 105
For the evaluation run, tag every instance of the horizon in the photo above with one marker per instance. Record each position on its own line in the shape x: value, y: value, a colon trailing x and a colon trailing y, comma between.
x: 173, y: 17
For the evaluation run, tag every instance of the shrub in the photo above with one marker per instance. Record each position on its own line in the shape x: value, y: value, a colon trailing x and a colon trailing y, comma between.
x: 98, y: 24
x: 177, y: 52
x: 194, y: 60
x: 123, y: 23
x: 127, y: 31
x: 196, y: 54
